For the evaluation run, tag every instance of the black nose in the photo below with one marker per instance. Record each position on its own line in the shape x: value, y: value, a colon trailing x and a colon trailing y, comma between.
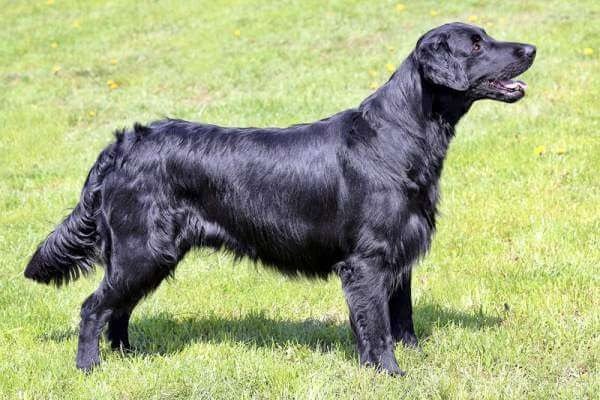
x: 526, y: 50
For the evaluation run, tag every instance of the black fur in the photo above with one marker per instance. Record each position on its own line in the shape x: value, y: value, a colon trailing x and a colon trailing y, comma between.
x: 353, y: 194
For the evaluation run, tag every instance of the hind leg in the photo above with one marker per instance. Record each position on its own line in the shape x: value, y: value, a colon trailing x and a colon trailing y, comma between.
x: 113, y: 303
x: 95, y: 312
x: 104, y: 305
x: 130, y: 275
x: 118, y: 329
x: 401, y: 320
x: 118, y: 323
x: 141, y: 248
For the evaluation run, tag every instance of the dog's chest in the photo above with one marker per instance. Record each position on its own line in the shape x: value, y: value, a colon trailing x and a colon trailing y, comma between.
x: 412, y: 221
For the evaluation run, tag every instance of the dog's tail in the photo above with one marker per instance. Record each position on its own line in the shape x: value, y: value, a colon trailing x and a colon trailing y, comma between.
x: 71, y: 249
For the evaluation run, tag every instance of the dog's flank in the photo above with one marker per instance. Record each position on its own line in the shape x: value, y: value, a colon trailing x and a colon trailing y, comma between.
x: 354, y: 194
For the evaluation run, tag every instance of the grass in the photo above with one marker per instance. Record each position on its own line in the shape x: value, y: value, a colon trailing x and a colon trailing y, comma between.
x: 506, y: 303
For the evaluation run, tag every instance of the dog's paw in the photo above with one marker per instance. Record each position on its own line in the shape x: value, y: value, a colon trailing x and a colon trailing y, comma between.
x: 405, y: 334
x: 87, y: 363
x: 386, y: 364
x: 123, y: 348
x: 409, y: 339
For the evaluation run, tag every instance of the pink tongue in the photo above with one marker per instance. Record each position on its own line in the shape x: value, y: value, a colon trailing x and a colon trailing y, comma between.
x: 514, y: 84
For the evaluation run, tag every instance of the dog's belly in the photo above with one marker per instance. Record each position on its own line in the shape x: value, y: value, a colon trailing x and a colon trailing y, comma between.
x: 297, y: 230
x: 289, y: 248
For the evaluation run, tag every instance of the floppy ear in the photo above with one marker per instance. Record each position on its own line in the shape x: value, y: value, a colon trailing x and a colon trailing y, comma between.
x: 439, y: 66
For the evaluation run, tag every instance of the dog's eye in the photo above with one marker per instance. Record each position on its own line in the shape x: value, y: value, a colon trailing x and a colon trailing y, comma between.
x: 476, y: 43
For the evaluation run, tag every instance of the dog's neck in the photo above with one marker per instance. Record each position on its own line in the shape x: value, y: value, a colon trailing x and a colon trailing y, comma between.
x: 409, y: 109
x: 407, y: 98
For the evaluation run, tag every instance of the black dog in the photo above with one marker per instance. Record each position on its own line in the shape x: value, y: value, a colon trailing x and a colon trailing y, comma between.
x: 353, y: 194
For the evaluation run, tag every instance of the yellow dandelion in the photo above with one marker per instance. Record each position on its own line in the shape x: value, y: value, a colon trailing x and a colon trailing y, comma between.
x: 114, y: 61
x: 390, y: 67
x: 49, y: 2
x: 433, y: 13
x: 237, y: 33
x: 588, y: 51
x: 539, y: 150
x: 400, y: 7
x: 472, y: 18
x: 54, y: 45
x: 56, y: 69
x: 76, y: 24
x: 112, y: 85
x: 92, y: 113
x: 373, y: 85
x: 372, y: 73
x: 560, y: 150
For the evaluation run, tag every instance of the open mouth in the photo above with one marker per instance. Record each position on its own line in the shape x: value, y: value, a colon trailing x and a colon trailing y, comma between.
x: 509, y: 86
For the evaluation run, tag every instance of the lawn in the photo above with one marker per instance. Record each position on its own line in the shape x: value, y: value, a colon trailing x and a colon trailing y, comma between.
x: 506, y: 303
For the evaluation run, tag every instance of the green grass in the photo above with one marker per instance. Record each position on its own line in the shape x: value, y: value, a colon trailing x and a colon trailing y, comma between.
x: 507, y: 302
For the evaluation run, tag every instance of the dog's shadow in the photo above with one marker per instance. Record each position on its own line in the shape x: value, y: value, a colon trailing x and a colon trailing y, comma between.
x: 166, y: 334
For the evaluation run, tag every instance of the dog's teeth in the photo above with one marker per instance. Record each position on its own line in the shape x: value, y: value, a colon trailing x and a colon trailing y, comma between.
x: 513, y: 85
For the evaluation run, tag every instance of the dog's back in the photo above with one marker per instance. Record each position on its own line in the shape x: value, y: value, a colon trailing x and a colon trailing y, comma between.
x: 271, y: 194
x: 277, y: 195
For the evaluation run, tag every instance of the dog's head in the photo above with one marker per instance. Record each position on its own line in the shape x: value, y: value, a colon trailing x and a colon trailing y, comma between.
x: 464, y: 58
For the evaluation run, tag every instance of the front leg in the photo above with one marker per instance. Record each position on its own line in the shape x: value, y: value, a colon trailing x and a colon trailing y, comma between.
x: 400, y: 306
x: 366, y: 288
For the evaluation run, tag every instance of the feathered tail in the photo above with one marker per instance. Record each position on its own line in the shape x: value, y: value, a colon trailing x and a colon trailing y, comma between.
x: 71, y: 249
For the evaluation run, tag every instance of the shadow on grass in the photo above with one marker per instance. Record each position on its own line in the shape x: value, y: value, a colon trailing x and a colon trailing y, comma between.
x: 163, y: 334
x: 429, y: 316
x: 166, y: 334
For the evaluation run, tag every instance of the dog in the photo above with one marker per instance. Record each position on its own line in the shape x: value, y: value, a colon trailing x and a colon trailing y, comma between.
x: 354, y: 194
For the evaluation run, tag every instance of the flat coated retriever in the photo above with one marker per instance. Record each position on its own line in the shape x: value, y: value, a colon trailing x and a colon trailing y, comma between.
x: 354, y: 194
